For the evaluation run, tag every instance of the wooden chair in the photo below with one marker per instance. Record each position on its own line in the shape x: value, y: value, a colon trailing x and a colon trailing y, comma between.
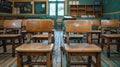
x: 97, y: 25
x: 40, y: 26
x: 108, y: 37
x: 16, y: 34
x: 81, y: 49
x: 36, y: 49
x: 77, y: 36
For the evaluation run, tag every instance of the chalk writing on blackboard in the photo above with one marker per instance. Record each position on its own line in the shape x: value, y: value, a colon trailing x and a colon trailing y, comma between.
x: 25, y: 7
x: 5, y: 6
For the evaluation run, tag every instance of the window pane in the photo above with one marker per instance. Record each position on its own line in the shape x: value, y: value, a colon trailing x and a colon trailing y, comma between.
x: 61, y: 9
x: 61, y: 0
x: 52, y: 9
x: 52, y: 0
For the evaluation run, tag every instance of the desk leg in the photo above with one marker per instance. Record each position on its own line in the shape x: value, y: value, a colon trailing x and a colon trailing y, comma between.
x: 13, y: 47
x: 98, y: 60
x: 91, y: 38
x: 108, y: 47
x: 48, y: 63
x: 99, y: 38
x: 19, y: 60
x: 89, y: 61
x: 4, y: 45
x: 118, y: 45
x: 68, y: 60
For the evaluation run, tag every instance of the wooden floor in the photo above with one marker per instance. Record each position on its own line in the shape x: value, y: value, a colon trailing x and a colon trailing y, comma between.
x: 7, y: 61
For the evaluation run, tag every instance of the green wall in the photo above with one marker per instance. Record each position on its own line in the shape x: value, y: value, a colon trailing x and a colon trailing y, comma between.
x: 111, y: 9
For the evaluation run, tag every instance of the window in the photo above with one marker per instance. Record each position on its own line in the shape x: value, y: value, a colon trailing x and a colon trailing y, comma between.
x: 52, y: 0
x: 56, y: 7
x: 60, y: 9
x: 52, y: 9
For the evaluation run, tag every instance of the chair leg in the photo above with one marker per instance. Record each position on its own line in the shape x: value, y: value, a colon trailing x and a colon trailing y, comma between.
x: 118, y: 46
x: 29, y: 61
x: 89, y: 61
x: 102, y: 45
x: 4, y: 45
x: 61, y: 55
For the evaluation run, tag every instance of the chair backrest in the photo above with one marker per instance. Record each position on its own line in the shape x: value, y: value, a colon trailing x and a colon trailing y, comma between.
x: 24, y: 23
x: 114, y: 23
x: 1, y: 21
x: 78, y: 26
x: 39, y: 26
x: 95, y: 22
x: 110, y: 23
x: 107, y: 25
x: 12, y: 24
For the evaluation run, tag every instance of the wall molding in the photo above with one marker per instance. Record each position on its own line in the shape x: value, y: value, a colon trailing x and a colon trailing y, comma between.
x: 117, y: 12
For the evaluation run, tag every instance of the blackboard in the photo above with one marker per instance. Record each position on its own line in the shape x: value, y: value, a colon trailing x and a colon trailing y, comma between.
x: 5, y: 6
x: 25, y: 7
x: 40, y: 7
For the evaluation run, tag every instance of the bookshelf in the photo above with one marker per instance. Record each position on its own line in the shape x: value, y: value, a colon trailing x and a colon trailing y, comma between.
x: 87, y: 10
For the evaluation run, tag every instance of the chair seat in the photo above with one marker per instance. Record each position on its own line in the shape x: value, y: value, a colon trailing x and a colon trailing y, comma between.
x: 75, y: 36
x: 84, y: 47
x: 1, y: 31
x: 41, y: 36
x: 35, y: 47
x: 9, y: 35
x: 96, y: 31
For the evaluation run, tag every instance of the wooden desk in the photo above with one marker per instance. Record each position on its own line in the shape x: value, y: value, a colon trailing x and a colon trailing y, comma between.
x: 12, y: 37
x: 109, y: 37
x: 34, y: 49
x: 83, y: 50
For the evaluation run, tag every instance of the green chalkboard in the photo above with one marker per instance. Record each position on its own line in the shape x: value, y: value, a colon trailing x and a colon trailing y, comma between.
x: 40, y: 7
x: 5, y: 6
x: 25, y: 7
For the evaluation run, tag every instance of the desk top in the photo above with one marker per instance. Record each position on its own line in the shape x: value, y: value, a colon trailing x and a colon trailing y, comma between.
x: 96, y: 31
x: 84, y: 47
x: 35, y: 47
x: 41, y: 36
x: 75, y: 35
